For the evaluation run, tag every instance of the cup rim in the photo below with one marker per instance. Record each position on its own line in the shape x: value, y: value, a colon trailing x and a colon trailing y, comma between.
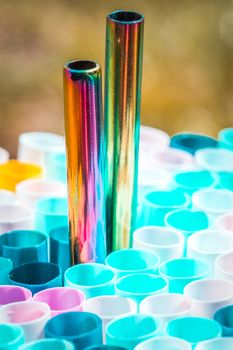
x: 17, y: 232
x: 196, y: 201
x: 26, y: 291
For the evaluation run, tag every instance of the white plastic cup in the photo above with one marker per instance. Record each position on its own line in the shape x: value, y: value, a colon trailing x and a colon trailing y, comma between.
x: 35, y: 147
x: 216, y: 344
x: 109, y: 307
x: 7, y: 197
x: 4, y: 155
x: 172, y: 159
x: 15, y: 217
x: 215, y: 159
x: 224, y: 266
x: 209, y: 295
x: 152, y: 138
x: 225, y: 222
x: 31, y: 190
x: 167, y: 306
x: 165, y: 242
x: 30, y: 315
x: 164, y: 343
x: 214, y: 202
x: 208, y: 245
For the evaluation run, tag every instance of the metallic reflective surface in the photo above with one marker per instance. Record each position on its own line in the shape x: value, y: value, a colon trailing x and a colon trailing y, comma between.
x: 124, y: 44
x: 85, y: 160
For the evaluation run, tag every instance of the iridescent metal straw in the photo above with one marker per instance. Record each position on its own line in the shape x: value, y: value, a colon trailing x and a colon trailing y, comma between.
x: 85, y: 160
x: 124, y: 48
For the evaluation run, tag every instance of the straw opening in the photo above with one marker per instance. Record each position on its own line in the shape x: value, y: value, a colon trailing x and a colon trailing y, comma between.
x: 126, y: 16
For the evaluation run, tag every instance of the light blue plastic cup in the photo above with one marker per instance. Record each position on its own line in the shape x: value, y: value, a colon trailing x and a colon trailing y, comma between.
x: 24, y: 246
x: 141, y: 285
x: 192, y: 142
x: 224, y: 316
x: 156, y: 204
x: 225, y: 137
x: 131, y: 330
x: 48, y: 344
x: 130, y: 261
x: 193, y: 329
x: 187, y: 222
x: 11, y: 336
x: 191, y: 181
x: 180, y: 272
x: 225, y: 180
x: 164, y: 343
x: 6, y: 266
x: 215, y: 159
x: 51, y: 213
x: 60, y: 247
x: 56, y: 167
x: 216, y: 344
x: 91, y: 278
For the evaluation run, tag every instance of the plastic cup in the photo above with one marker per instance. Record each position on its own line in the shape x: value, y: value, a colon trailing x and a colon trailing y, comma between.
x: 214, y: 202
x: 61, y: 299
x: 216, y: 344
x: 56, y: 167
x: 141, y: 285
x: 30, y: 191
x: 193, y: 329
x: 225, y: 181
x: 11, y: 336
x: 191, y: 142
x: 167, y: 306
x: 6, y: 266
x: 209, y: 295
x: 92, y: 279
x: 225, y: 223
x: 51, y: 213
x: 224, y: 316
x: 12, y: 294
x: 7, y: 197
x: 165, y: 242
x: 81, y: 328
x: 15, y: 171
x: 4, y: 155
x: 215, y: 159
x: 187, y: 222
x: 156, y: 204
x: 172, y: 159
x: 180, y: 272
x: 164, y: 343
x: 131, y: 330
x: 15, y: 217
x: 129, y: 261
x: 48, y: 344
x: 153, y: 138
x: 224, y: 266
x: 30, y: 315
x: 37, y: 146
x: 208, y: 245
x: 225, y: 137
x: 60, y: 247
x: 109, y: 307
x: 194, y: 180
x: 105, y: 347
x: 36, y: 276
x: 24, y: 246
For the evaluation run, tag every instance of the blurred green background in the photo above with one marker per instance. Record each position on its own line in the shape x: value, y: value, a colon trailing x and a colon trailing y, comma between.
x: 188, y: 61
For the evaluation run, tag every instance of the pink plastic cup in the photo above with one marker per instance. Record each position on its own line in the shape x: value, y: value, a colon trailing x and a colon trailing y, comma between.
x: 11, y: 294
x: 61, y: 299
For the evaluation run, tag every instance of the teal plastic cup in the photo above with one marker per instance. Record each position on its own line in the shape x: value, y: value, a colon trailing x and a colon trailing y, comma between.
x: 224, y: 317
x: 48, y: 344
x: 83, y: 329
x: 192, y: 142
x: 141, y: 285
x: 51, y: 213
x: 225, y: 180
x: 193, y: 329
x: 216, y: 344
x: 164, y: 343
x: 11, y: 336
x: 187, y: 222
x: 60, y: 247
x: 225, y: 137
x: 56, y: 167
x: 36, y: 276
x: 131, y: 330
x: 180, y: 272
x: 6, y: 266
x: 92, y: 279
x: 194, y: 180
x: 215, y: 159
x: 130, y: 261
x: 24, y: 246
x: 156, y: 204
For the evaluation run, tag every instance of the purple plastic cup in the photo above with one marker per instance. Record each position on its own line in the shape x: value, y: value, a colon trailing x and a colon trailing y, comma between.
x: 11, y: 294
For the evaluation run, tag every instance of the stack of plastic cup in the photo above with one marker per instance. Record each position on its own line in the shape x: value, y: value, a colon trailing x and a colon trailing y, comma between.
x: 15, y: 217
x: 11, y: 336
x: 225, y: 137
x: 12, y: 294
x: 192, y: 142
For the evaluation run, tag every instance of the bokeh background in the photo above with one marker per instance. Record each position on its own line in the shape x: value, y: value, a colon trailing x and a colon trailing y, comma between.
x: 188, y: 61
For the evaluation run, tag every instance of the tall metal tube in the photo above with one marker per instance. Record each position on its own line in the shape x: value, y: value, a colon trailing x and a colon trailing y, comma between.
x: 124, y: 49
x: 85, y: 161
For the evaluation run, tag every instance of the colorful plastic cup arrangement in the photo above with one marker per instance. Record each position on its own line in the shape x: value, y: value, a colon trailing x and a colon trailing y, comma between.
x: 12, y: 294
x: 11, y: 336
x: 191, y: 142
x: 15, y: 217
x: 48, y: 344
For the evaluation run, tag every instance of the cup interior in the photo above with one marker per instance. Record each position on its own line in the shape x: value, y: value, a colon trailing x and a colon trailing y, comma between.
x: 156, y: 236
x: 184, y: 267
x: 110, y: 306
x: 216, y: 344
x: 14, y: 212
x: 23, y: 312
x: 195, y: 179
x: 10, y: 334
x: 214, y: 200
x: 89, y: 274
x: 60, y: 234
x: 22, y: 239
x: 187, y: 220
x: 174, y: 198
x: 141, y: 284
x: 211, y: 242
x: 210, y: 290
x: 10, y: 294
